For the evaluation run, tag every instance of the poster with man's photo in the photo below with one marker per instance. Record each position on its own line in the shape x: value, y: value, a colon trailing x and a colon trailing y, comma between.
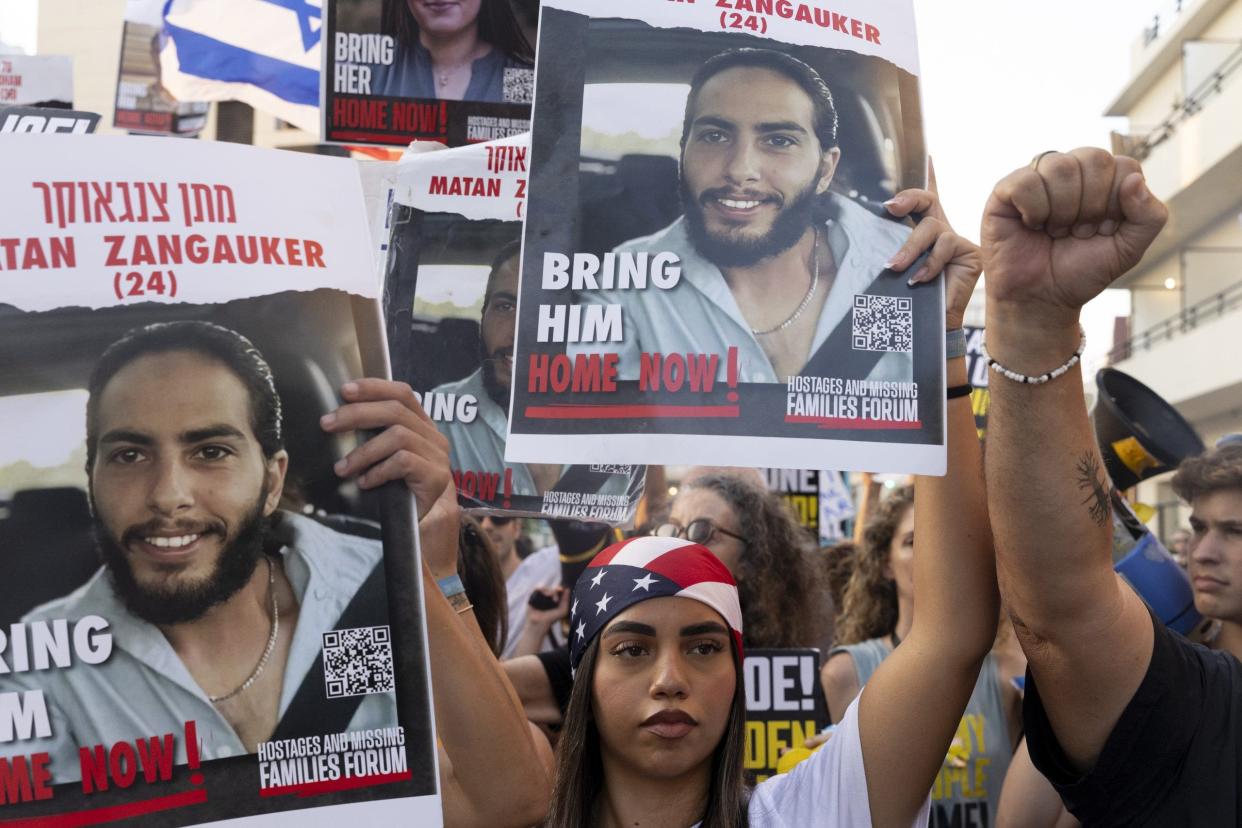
x: 205, y: 617
x: 451, y: 284
x: 705, y: 274
x: 454, y: 71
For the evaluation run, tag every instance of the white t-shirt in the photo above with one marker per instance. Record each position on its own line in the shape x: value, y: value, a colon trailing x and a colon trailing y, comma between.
x: 829, y: 790
x: 539, y: 569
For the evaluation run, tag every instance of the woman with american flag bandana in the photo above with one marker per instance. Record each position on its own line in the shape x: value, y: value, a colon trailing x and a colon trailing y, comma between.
x: 655, y: 728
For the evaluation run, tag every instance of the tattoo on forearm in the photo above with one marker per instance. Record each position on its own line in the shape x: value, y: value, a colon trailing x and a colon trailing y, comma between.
x: 1093, y: 481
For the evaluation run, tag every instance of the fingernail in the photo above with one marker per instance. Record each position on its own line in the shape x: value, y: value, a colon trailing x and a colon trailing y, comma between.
x: 341, y: 465
x: 328, y: 420
x: 350, y: 388
x: 892, y: 202
x: 892, y: 263
x: 1145, y: 193
x: 1108, y: 227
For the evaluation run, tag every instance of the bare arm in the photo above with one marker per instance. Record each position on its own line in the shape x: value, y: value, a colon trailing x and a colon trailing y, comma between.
x: 529, y: 679
x: 494, y: 774
x: 1087, y: 636
x: 840, y: 681
x: 911, y: 706
x: 1028, y: 800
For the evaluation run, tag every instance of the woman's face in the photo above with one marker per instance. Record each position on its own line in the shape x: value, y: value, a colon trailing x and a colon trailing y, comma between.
x: 663, y: 688
x: 444, y: 17
x: 693, y: 504
x: 901, y: 554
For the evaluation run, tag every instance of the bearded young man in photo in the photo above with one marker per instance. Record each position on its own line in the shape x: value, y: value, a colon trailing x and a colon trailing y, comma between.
x: 770, y: 259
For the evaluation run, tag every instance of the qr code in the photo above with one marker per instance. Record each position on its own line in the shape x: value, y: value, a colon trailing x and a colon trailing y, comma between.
x: 883, y: 323
x: 519, y: 86
x: 612, y: 469
x: 357, y: 662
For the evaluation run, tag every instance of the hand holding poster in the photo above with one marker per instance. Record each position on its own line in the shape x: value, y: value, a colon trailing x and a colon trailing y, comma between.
x: 712, y: 286
x: 451, y: 296
x: 176, y: 318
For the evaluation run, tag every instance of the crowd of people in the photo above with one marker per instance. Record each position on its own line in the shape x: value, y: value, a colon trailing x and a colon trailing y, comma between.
x: 1029, y: 664
x: 984, y: 663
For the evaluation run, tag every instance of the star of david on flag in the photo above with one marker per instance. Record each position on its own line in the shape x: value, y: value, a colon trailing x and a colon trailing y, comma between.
x: 263, y: 52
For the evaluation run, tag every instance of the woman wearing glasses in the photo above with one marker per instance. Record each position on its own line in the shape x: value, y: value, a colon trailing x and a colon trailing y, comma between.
x: 783, y: 592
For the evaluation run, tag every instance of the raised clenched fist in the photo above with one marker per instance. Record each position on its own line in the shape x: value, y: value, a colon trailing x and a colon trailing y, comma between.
x: 1057, y: 232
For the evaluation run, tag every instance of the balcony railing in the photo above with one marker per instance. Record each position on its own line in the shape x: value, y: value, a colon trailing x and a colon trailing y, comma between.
x: 1140, y: 145
x: 1152, y: 32
x: 1213, y: 307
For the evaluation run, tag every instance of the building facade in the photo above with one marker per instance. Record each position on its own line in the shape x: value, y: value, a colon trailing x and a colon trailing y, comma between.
x: 1183, y: 100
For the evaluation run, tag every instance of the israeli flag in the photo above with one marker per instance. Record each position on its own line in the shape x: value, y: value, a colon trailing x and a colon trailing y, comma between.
x: 262, y: 52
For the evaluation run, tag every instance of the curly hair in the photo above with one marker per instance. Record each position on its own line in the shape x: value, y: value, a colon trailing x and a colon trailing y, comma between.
x: 785, y: 602
x: 869, y: 609
x: 1213, y: 471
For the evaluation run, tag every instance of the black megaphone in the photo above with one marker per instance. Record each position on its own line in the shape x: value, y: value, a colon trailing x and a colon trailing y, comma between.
x: 1140, y: 435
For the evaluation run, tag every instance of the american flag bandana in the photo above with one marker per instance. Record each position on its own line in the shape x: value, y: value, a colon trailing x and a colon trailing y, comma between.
x: 648, y: 567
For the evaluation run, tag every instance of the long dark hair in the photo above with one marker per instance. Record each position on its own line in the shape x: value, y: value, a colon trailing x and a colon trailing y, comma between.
x: 497, y: 25
x: 869, y: 609
x: 781, y: 586
x: 580, y: 771
x: 485, y: 585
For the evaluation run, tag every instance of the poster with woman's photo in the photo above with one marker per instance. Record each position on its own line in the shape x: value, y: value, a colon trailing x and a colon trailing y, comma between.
x: 454, y: 71
x: 206, y: 617
x: 705, y: 273
x: 451, y: 285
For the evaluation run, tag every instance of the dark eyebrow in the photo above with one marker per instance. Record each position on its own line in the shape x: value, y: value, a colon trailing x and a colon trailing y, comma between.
x: 713, y: 120
x: 632, y: 627
x: 703, y: 629
x: 781, y: 126
x: 212, y: 432
x: 120, y: 435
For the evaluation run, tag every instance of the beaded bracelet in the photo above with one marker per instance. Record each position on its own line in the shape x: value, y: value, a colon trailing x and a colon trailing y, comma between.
x: 1015, y: 376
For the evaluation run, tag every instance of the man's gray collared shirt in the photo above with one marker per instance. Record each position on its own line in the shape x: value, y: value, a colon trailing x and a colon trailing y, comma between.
x: 701, y: 316
x: 144, y: 690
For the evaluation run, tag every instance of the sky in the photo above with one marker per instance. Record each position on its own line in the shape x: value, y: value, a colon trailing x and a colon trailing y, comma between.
x: 1003, y: 81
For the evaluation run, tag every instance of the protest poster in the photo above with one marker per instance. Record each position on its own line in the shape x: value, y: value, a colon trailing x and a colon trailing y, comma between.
x: 977, y: 367
x: 143, y: 104
x: 836, y: 505
x: 800, y: 489
x: 784, y: 705
x: 48, y: 121
x: 36, y: 80
x: 704, y: 271
x: 396, y: 71
x: 450, y: 300
x: 175, y: 318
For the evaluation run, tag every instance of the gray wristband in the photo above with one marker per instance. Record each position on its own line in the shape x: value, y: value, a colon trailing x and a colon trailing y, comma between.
x: 955, y: 343
x: 451, y: 586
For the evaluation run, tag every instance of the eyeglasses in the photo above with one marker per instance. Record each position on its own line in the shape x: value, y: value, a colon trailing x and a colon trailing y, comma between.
x: 699, y: 530
x: 499, y: 521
